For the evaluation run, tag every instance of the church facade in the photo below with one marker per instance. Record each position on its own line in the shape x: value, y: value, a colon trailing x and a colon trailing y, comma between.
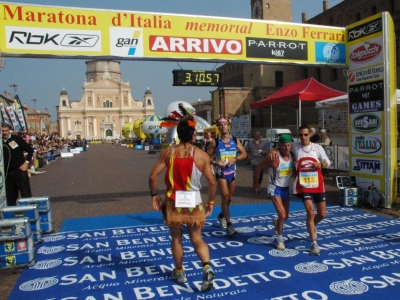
x: 106, y: 104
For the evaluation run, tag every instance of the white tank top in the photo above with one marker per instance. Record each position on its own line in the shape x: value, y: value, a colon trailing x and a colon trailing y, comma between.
x: 281, y: 176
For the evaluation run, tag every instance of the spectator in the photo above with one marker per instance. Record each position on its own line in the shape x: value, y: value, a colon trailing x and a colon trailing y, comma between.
x: 314, y: 137
x: 325, y: 141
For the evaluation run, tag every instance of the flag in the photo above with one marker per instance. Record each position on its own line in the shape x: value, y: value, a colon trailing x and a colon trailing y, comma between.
x: 20, y: 112
x: 4, y: 114
x: 11, y: 114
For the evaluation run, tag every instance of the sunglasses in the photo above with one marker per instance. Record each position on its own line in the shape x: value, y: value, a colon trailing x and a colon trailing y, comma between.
x: 304, y: 134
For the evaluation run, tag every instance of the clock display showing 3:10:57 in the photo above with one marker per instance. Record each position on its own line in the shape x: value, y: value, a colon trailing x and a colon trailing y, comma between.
x: 196, y: 78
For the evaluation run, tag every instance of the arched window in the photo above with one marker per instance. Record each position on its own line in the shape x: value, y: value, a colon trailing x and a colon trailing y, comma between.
x: 148, y: 102
x: 77, y: 122
x: 107, y: 104
x: 374, y: 10
x: 331, y: 21
x: 64, y: 103
x: 108, y: 132
x: 358, y: 16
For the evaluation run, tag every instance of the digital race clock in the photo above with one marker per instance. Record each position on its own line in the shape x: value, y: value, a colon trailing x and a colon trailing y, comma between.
x: 196, y: 78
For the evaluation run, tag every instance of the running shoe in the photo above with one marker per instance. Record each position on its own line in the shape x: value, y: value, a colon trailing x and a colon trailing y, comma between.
x: 314, y: 251
x: 181, y: 278
x: 222, y: 221
x: 280, y: 244
x: 275, y: 220
x: 208, y: 279
x: 230, y: 230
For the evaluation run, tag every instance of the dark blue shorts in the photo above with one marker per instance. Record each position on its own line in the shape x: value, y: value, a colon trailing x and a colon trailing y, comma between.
x: 228, y: 177
x: 317, y: 197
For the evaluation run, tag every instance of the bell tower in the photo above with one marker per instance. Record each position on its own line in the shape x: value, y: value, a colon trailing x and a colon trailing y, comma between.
x: 274, y: 10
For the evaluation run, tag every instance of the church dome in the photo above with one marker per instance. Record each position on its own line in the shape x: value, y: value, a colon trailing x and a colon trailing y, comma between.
x: 148, y: 92
x: 63, y: 92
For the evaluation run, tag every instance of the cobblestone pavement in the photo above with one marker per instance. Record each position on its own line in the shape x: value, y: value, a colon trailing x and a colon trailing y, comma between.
x: 111, y: 181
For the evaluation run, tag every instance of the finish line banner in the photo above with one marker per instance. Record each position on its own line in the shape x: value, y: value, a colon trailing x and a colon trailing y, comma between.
x: 360, y: 255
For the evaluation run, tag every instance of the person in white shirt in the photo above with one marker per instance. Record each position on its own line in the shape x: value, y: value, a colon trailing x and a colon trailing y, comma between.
x: 309, y: 182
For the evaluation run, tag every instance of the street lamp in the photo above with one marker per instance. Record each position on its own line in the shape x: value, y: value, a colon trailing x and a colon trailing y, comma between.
x: 34, y: 105
x: 2, y: 61
x: 15, y: 88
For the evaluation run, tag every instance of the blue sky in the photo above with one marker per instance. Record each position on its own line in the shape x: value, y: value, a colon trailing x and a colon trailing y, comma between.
x: 43, y: 79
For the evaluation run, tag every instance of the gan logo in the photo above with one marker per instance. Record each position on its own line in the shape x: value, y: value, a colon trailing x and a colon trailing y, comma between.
x: 366, y: 52
x: 130, y: 43
x: 365, y: 29
x: 367, y: 123
x: 195, y: 45
x: 367, y: 165
x: 349, y: 287
x: 367, y: 144
x: 38, y: 284
x: 52, y: 39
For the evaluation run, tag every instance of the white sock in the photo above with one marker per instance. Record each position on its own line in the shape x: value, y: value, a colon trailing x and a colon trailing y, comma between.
x: 280, y: 237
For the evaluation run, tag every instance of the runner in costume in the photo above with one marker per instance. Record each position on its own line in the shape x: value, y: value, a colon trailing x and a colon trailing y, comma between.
x: 280, y: 171
x: 184, y: 166
x: 227, y: 150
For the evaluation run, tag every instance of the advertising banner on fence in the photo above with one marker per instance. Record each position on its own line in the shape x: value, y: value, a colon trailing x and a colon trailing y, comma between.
x: 37, y: 30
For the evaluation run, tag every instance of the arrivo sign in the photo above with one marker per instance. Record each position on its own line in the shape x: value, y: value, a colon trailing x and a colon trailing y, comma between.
x: 365, y: 52
x: 196, y: 45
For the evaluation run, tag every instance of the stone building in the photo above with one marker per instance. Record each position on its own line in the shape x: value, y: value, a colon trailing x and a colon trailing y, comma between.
x: 243, y: 84
x: 106, y: 104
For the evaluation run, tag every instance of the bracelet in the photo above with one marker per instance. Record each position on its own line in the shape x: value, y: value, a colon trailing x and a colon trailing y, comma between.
x: 152, y: 195
x: 211, y: 202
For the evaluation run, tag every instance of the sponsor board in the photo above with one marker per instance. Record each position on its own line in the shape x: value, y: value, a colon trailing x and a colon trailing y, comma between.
x: 365, y: 74
x: 366, y: 29
x: 360, y: 256
x: 366, y: 97
x: 279, y: 49
x: 330, y: 53
x: 367, y: 144
x: 55, y: 30
x: 126, y: 42
x: 366, y: 166
x: 366, y: 122
x: 366, y: 53
x: 33, y: 38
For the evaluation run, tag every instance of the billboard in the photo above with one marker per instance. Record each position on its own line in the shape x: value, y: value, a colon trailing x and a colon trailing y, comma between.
x: 40, y: 31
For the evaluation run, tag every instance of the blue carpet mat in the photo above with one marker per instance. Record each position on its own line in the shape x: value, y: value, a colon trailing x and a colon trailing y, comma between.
x: 150, y: 218
x: 360, y: 257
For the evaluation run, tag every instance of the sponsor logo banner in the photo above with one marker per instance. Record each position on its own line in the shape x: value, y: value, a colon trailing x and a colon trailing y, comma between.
x: 366, y: 74
x: 366, y: 54
x: 126, y: 42
x: 367, y: 144
x: 370, y: 166
x: 366, y: 29
x: 46, y: 30
x: 277, y: 49
x: 31, y: 38
x: 330, y: 53
x: 366, y: 97
x: 366, y: 122
x: 360, y: 257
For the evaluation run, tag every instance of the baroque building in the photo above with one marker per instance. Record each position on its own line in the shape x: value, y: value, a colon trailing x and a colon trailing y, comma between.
x: 106, y: 104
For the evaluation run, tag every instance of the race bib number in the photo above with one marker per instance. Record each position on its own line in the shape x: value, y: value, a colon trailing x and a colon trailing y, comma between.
x: 309, y: 179
x: 227, y: 154
x: 185, y: 199
x: 286, y: 170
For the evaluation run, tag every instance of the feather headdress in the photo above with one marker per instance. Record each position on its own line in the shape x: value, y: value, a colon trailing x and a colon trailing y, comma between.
x: 175, y: 117
x: 222, y: 119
